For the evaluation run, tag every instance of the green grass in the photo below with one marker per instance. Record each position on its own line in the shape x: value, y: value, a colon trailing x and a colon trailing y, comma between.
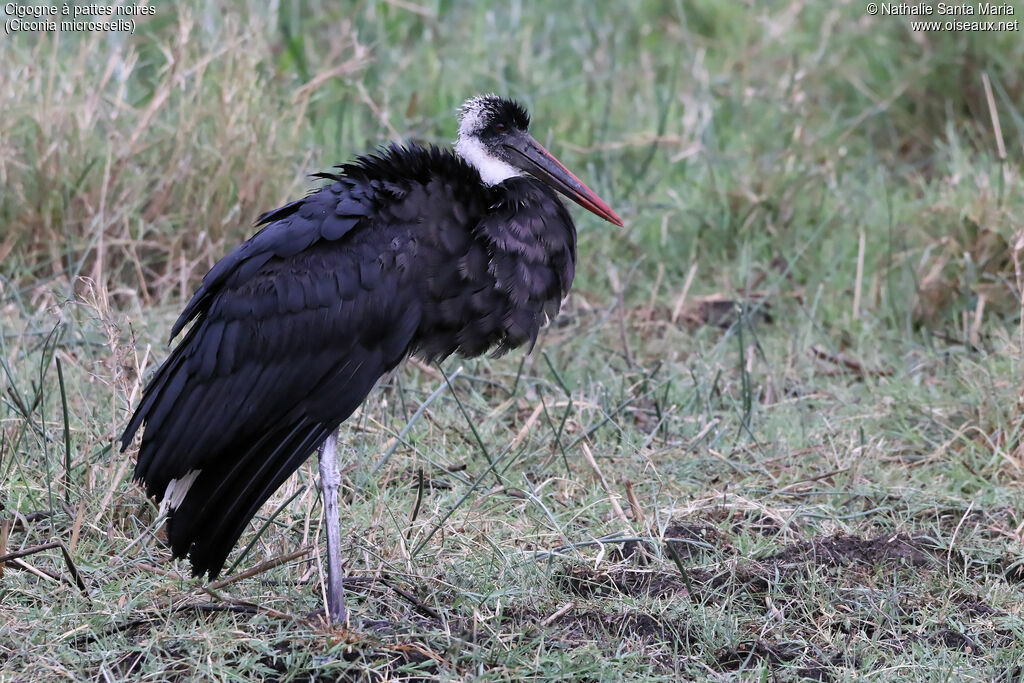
x: 823, y: 440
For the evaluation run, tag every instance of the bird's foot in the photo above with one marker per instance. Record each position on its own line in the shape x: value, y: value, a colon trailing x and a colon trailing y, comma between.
x: 333, y: 621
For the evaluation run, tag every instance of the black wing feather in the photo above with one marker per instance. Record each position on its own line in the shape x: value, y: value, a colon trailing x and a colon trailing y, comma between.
x: 276, y: 359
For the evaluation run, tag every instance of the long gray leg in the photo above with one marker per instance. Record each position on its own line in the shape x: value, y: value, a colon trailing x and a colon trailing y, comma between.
x: 330, y: 481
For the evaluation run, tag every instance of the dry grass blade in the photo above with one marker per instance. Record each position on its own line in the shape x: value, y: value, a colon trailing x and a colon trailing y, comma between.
x: 5, y: 530
x: 613, y: 498
x: 994, y: 114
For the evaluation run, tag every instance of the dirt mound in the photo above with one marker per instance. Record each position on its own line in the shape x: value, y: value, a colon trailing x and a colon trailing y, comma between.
x: 841, y: 551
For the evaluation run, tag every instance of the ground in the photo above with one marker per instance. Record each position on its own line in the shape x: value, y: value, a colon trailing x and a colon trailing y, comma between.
x: 775, y: 433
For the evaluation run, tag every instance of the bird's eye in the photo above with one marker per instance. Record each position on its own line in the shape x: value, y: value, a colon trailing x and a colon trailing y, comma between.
x: 500, y: 127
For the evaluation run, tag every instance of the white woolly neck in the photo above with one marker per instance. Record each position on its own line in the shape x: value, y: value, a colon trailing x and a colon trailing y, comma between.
x: 492, y: 170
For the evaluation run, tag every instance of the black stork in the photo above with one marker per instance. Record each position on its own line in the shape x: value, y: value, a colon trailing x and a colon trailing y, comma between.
x: 413, y: 250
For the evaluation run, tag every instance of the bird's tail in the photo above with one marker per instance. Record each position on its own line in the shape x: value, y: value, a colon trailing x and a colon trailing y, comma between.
x: 212, y: 513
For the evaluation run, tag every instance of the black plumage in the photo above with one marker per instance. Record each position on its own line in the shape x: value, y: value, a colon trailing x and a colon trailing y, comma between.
x: 404, y: 252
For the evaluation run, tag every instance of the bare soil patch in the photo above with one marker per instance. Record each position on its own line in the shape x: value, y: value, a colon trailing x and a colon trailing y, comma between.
x: 709, y: 570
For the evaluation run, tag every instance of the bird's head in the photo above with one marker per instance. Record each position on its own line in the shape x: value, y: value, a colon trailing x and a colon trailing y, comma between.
x: 494, y: 140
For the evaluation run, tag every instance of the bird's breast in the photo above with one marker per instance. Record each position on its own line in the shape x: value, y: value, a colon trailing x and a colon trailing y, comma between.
x: 491, y: 281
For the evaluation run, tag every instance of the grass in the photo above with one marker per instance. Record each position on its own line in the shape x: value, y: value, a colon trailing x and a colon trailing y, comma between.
x: 775, y: 433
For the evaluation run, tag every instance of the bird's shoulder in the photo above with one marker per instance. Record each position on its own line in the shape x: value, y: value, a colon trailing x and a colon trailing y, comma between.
x: 429, y: 187
x: 398, y: 165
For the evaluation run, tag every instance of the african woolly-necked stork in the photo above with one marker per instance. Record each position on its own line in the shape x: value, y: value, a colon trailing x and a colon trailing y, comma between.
x: 409, y: 251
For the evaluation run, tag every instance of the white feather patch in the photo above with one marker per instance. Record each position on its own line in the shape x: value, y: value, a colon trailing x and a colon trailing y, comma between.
x: 471, y: 115
x: 492, y: 170
x: 176, y: 491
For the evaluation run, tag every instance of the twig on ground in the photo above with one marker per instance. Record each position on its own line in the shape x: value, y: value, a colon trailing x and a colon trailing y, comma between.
x: 414, y: 601
x: 76, y: 576
x: 263, y: 609
x: 561, y: 611
x: 638, y: 512
x: 22, y: 564
x: 260, y: 568
x: 854, y: 366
